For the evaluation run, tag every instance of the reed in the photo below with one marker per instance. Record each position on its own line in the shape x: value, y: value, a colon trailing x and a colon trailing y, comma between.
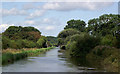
x: 10, y: 56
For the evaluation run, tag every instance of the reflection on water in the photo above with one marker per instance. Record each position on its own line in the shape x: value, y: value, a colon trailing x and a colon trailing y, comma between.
x: 51, y: 61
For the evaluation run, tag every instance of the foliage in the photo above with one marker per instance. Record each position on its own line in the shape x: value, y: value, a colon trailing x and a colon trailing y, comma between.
x: 81, y: 44
x: 76, y: 24
x: 29, y: 44
x: 109, y: 40
x: 67, y: 32
x: 5, y: 42
x: 15, y: 32
x: 105, y: 24
x: 20, y: 37
x: 105, y: 56
x: 60, y: 41
x: 42, y: 42
x: 10, y: 57
x: 118, y: 36
x: 98, y: 44
x: 17, y: 44
x: 52, y: 40
x: 0, y: 41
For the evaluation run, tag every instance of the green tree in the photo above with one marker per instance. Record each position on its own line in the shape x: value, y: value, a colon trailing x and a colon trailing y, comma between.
x: 18, y: 32
x: 105, y: 24
x: 29, y: 44
x: 42, y: 42
x: 52, y: 40
x: 67, y: 32
x: 81, y: 44
x: 76, y: 24
x: 118, y: 36
x: 109, y: 40
x: 5, y: 42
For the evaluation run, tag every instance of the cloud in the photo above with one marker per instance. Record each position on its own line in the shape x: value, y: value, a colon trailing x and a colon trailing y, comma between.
x: 46, y: 20
x: 30, y: 22
x: 45, y: 27
x: 60, y: 0
x: 35, y: 14
x: 49, y: 28
x: 68, y: 6
x: 58, y: 6
x: 63, y: 6
x: 12, y: 11
x: 28, y: 6
x: 3, y: 27
x: 52, y: 21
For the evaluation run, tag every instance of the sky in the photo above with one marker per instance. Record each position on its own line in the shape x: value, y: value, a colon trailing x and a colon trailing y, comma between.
x: 51, y: 17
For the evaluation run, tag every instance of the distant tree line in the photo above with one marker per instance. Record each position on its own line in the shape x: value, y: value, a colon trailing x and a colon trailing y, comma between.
x: 52, y: 41
x: 17, y: 37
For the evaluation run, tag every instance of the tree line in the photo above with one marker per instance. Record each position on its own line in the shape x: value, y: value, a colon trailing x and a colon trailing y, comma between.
x: 17, y: 37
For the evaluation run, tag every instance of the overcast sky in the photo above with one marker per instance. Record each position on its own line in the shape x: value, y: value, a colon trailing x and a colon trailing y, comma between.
x: 51, y: 17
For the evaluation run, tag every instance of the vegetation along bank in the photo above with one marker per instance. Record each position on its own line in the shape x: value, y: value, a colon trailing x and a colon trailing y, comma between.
x: 19, y: 42
x: 98, y: 42
x: 12, y: 55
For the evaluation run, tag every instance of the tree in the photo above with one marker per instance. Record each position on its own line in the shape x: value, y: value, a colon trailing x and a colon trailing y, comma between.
x: 109, y: 40
x: 67, y: 32
x: 18, y: 32
x: 76, y: 24
x: 5, y: 42
x: 29, y: 44
x: 0, y: 41
x: 52, y: 40
x: 18, y: 37
x: 104, y: 25
x: 118, y: 36
x: 42, y: 42
x: 81, y: 44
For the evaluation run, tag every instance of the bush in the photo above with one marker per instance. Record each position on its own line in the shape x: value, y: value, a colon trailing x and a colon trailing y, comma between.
x: 81, y: 44
x: 29, y: 44
x: 60, y: 41
x: 68, y: 32
x: 17, y: 44
x: 5, y: 42
x: 105, y: 56
x: 13, y: 44
x: 109, y: 40
x: 42, y: 42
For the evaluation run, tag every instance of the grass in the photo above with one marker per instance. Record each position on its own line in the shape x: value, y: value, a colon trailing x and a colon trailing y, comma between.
x: 11, y: 55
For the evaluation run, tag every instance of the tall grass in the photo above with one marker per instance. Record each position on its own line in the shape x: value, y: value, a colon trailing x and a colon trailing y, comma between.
x: 10, y: 57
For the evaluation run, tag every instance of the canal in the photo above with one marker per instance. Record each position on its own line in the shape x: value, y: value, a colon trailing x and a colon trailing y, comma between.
x: 51, y: 61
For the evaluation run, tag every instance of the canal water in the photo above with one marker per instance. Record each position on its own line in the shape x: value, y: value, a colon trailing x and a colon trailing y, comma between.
x: 51, y: 61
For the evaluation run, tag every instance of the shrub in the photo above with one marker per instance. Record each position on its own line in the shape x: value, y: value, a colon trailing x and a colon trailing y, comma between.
x: 105, y: 56
x: 60, y: 41
x: 13, y: 44
x: 81, y: 44
x: 42, y: 42
x: 29, y: 44
x: 108, y: 40
x: 68, y: 32
x: 5, y: 42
